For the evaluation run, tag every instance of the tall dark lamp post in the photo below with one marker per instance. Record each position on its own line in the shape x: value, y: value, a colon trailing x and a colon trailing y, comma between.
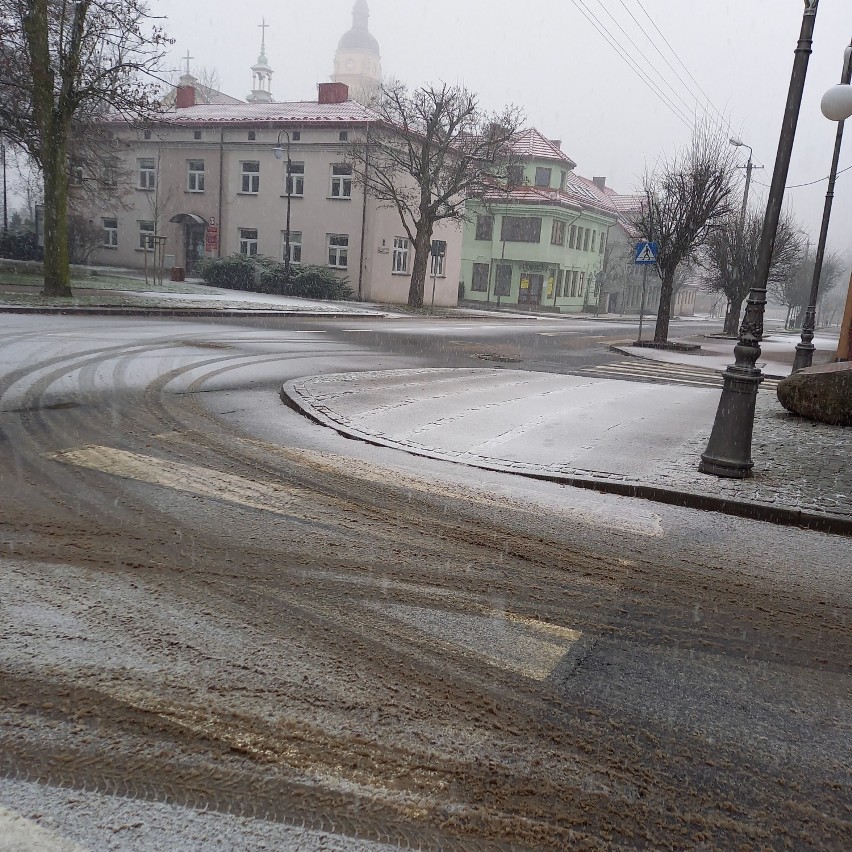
x: 805, y: 347
x: 728, y: 452
x: 279, y: 153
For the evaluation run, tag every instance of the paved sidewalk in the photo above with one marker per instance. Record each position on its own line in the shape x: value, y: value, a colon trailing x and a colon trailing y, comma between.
x: 624, y: 437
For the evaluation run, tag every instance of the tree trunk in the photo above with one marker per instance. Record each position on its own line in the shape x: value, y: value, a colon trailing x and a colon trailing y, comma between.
x: 661, y: 332
x: 57, y: 275
x: 422, y: 253
x: 787, y: 321
x: 732, y: 318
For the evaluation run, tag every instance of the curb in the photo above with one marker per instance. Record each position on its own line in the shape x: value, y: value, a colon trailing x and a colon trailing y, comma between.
x: 658, y: 494
x: 231, y: 313
x: 614, y: 347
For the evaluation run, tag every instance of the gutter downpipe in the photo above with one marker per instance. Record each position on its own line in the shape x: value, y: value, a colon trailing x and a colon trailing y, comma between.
x: 221, y: 176
x: 364, y: 217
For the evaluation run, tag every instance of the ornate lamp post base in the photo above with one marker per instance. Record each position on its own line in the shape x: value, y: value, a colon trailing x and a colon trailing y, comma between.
x: 728, y: 452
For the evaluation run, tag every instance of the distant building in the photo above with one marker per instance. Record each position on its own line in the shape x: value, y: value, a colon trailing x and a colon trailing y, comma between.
x: 205, y: 177
x: 358, y: 62
x: 539, y: 242
x: 621, y: 278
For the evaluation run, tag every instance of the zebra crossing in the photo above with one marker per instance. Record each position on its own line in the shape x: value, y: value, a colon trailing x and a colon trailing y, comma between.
x: 643, y: 370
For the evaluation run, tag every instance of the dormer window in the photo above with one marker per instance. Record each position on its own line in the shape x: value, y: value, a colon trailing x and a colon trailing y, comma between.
x: 543, y: 176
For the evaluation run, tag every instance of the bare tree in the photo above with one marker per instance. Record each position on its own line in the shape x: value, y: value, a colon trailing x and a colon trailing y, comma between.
x: 794, y: 290
x: 63, y: 65
x: 209, y: 83
x: 684, y: 197
x: 615, y: 275
x: 84, y: 236
x: 431, y: 149
x: 730, y: 259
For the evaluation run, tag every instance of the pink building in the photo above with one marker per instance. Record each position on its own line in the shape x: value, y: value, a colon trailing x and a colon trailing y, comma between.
x: 206, y: 178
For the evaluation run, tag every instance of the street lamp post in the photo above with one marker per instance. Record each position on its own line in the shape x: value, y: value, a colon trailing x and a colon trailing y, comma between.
x: 728, y: 452
x: 805, y: 347
x: 279, y: 153
x: 837, y: 106
x: 749, y: 169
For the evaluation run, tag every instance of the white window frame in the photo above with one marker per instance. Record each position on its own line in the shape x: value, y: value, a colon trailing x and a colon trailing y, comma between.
x: 147, y: 173
x: 338, y: 251
x: 248, y: 243
x: 341, y: 181
x: 194, y: 176
x: 296, y: 179
x: 399, y: 263
x: 249, y: 177
x: 146, y: 235
x: 438, y: 266
x: 295, y: 246
x: 110, y: 232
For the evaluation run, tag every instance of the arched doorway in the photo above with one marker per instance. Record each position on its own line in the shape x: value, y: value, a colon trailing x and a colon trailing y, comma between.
x: 194, y: 230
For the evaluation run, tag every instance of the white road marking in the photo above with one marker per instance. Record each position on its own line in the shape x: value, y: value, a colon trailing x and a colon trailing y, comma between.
x: 191, y: 479
x: 525, y: 646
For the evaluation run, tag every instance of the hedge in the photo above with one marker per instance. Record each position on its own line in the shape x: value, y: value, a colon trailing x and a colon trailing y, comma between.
x: 264, y: 275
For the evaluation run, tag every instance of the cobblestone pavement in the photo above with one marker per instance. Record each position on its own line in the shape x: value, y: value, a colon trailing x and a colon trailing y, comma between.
x: 798, y: 464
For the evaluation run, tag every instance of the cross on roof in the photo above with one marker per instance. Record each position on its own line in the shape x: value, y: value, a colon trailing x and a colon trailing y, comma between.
x: 263, y: 26
x: 186, y: 59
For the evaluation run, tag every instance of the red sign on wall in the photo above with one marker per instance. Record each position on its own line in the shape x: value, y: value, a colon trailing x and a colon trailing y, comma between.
x: 211, y: 242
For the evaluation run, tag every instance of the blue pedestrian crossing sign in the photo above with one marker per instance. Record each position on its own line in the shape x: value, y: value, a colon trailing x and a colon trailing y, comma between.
x: 646, y: 252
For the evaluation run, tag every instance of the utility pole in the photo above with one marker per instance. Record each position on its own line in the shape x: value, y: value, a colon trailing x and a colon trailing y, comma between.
x: 805, y: 347
x: 728, y: 451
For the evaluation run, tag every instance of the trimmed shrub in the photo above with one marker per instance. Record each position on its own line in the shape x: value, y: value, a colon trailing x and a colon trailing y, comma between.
x: 317, y: 282
x: 264, y: 275
x: 236, y: 272
x: 20, y: 246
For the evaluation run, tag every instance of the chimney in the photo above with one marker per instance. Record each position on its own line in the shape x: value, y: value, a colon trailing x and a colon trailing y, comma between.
x: 333, y: 93
x: 557, y: 143
x: 185, y: 92
x: 599, y: 182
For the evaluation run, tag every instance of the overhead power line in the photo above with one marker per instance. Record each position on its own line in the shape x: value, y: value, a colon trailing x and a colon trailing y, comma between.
x: 809, y: 183
x: 629, y: 36
x: 724, y: 121
x: 621, y: 51
x: 676, y: 54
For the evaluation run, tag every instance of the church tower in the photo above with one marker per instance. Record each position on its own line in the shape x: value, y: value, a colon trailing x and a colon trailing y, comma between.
x: 261, y: 74
x: 358, y: 62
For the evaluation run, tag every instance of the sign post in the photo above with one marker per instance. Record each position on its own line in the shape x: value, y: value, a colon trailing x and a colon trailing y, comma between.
x: 645, y: 256
x: 439, y: 250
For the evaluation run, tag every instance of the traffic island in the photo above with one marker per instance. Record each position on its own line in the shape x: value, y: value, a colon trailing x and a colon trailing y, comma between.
x: 669, y: 346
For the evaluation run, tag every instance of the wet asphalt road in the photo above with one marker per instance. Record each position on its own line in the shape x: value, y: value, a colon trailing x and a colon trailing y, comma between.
x: 206, y: 600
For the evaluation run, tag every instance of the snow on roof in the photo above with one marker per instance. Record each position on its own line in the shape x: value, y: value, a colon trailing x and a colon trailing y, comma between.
x: 298, y: 112
x: 530, y: 144
x: 574, y: 196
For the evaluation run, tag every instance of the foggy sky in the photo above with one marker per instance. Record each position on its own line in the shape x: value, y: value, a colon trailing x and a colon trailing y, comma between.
x: 544, y: 56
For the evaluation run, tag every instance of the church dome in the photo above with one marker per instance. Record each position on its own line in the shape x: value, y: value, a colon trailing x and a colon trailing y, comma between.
x: 359, y: 37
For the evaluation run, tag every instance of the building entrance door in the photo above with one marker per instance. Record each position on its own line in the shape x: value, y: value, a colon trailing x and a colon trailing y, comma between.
x: 193, y: 241
x: 531, y: 294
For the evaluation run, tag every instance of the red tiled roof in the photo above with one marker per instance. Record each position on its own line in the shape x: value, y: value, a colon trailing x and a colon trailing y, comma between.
x: 575, y: 197
x: 531, y: 145
x: 294, y: 112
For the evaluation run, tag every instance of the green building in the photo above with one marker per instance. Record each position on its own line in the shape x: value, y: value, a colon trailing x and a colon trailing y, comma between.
x: 540, y: 241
